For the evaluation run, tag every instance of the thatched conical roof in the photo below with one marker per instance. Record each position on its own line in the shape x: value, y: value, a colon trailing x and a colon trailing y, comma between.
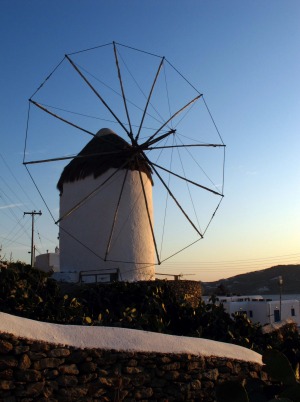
x: 95, y: 162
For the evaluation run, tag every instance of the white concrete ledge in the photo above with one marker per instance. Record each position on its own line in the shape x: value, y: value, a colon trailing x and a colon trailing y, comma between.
x: 121, y: 339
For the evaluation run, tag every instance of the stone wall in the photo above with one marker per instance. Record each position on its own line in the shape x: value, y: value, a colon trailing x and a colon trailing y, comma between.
x: 37, y: 371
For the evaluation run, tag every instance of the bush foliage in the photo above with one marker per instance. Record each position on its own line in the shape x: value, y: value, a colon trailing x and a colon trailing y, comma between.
x: 147, y: 306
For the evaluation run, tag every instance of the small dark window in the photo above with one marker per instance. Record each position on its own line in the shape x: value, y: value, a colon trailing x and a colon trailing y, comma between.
x: 250, y: 313
x: 293, y: 312
x: 276, y: 315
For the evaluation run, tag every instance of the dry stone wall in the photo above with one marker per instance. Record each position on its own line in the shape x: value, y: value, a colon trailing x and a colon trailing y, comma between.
x: 37, y: 371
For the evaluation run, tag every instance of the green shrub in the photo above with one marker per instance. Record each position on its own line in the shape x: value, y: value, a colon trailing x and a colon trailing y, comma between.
x: 284, y: 387
x: 149, y: 306
x: 28, y: 292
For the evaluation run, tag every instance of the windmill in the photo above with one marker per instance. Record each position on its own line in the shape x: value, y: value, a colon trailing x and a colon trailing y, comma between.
x: 160, y: 137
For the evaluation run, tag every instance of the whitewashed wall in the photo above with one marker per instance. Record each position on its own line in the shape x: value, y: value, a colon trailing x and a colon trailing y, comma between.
x: 132, y: 247
x: 47, y: 262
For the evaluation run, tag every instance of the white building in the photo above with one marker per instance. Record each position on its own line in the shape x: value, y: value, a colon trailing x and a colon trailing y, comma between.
x: 105, y: 220
x: 260, y: 310
x: 48, y: 262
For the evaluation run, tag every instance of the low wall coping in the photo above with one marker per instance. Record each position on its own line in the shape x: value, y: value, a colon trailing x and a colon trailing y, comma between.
x: 121, y: 339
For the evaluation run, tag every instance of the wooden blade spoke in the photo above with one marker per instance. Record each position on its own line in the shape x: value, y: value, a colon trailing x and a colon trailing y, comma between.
x: 92, y: 193
x: 185, y: 146
x: 161, y: 137
x: 72, y: 157
x: 123, y: 92
x: 60, y: 118
x: 115, y: 216
x: 172, y: 117
x: 148, y: 215
x: 97, y: 94
x: 172, y: 195
x: 149, y: 97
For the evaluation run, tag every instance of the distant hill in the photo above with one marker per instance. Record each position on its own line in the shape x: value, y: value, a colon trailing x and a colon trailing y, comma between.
x: 258, y: 282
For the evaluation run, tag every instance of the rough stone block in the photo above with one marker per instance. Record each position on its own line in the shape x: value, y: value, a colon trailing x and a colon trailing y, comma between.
x: 24, y: 362
x: 5, y: 346
x: 67, y: 380
x: 36, y: 355
x: 68, y: 369
x: 143, y: 393
x: 28, y: 375
x: 48, y: 362
x: 7, y: 374
x: 87, y: 367
x: 59, y: 352
x: 6, y: 385
x: 21, y: 349
x: 85, y: 378
x: 8, y: 361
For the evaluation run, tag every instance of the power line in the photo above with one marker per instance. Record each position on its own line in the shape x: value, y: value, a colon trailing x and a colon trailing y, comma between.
x: 237, y: 260
x: 16, y: 180
x: 21, y: 244
x: 234, y: 267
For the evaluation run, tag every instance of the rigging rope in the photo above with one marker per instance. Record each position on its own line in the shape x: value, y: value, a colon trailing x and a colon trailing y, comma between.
x: 38, y: 190
x: 143, y: 93
x: 214, y: 123
x: 200, y: 167
x: 26, y: 134
x: 189, y: 190
x: 167, y: 200
x: 47, y: 78
x: 88, y: 49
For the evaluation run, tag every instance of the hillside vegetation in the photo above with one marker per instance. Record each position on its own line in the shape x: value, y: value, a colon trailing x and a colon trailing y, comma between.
x: 259, y: 282
x: 147, y: 306
x: 30, y: 293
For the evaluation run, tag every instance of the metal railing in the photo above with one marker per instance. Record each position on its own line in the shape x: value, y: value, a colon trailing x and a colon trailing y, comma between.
x: 98, y: 275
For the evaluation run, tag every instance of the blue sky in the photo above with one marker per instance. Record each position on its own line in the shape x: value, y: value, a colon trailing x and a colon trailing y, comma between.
x: 243, y: 55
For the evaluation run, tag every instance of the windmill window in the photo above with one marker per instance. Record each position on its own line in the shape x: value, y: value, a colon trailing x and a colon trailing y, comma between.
x: 293, y: 312
x: 250, y: 313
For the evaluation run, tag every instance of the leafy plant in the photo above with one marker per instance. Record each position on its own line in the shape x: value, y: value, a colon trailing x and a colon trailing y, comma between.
x: 279, y: 369
x: 150, y: 306
x: 31, y: 293
x: 284, y: 388
x: 231, y: 391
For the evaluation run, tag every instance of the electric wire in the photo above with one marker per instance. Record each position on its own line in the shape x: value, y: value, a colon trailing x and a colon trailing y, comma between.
x: 15, y: 242
x: 17, y: 181
x: 11, y: 211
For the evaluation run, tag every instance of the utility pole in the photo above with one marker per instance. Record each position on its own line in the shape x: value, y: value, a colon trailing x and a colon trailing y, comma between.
x: 32, y: 233
x: 280, y: 283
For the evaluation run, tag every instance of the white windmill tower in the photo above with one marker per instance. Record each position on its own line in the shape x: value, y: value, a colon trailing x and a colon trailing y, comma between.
x: 106, y: 210
x: 166, y: 137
